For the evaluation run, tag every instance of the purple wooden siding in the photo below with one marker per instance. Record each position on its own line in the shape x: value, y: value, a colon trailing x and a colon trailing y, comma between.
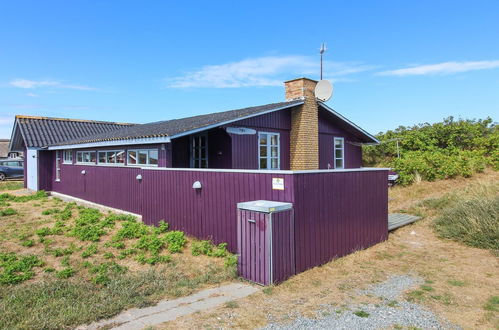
x: 276, y: 120
x: 337, y: 213
x: 353, y: 154
x: 168, y: 195
x: 283, y: 246
x: 328, y: 129
x: 253, y: 246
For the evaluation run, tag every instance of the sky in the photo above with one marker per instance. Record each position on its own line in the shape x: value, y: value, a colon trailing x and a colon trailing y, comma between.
x: 391, y: 62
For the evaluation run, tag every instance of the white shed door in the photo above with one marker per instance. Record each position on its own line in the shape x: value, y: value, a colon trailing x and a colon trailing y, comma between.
x: 32, y: 169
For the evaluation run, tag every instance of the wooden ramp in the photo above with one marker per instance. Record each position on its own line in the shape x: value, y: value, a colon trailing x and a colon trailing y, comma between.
x: 396, y: 220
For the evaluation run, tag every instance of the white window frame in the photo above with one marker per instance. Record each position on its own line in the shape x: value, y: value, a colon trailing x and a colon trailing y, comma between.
x: 193, y: 159
x: 65, y: 159
x: 342, y: 152
x: 269, y: 151
x: 58, y: 165
x: 147, y: 159
x: 115, y: 163
x: 85, y: 152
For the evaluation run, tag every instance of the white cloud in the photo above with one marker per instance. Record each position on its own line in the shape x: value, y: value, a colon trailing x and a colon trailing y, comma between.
x: 442, y: 68
x: 261, y: 71
x: 32, y: 84
x: 31, y: 94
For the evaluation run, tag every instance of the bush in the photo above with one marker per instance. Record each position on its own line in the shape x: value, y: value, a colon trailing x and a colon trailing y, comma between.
x: 175, y: 240
x: 474, y: 222
x: 7, y: 212
x: 131, y: 229
x: 207, y: 248
x: 442, y: 150
x: 16, y: 269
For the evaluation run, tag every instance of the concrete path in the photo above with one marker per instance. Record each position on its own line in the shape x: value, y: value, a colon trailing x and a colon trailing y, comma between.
x: 168, y: 310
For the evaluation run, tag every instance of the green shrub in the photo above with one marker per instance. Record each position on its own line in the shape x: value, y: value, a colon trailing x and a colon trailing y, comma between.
x: 161, y: 228
x: 89, y: 251
x: 65, y: 273
x: 131, y: 229
x: 473, y: 221
x: 153, y: 259
x: 16, y: 269
x: 151, y: 243
x: 175, y: 240
x: 28, y: 243
x: 207, y: 248
x: 442, y: 150
x: 7, y: 212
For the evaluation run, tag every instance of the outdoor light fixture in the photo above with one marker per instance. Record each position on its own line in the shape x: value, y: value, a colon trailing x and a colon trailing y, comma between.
x: 138, y: 177
x: 196, y: 185
x: 83, y: 172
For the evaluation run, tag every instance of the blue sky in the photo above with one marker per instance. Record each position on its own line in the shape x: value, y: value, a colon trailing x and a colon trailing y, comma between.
x: 392, y: 62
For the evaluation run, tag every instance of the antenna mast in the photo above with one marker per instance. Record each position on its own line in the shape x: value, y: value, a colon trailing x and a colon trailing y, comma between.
x: 322, y: 51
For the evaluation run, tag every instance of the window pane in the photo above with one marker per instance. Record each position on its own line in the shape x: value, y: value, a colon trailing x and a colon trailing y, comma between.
x: 132, y: 157
x: 153, y: 157
x: 204, y: 163
x: 142, y: 157
x: 263, y: 151
x: 79, y: 157
x: 102, y: 157
x: 111, y: 157
x: 263, y: 139
x: 92, y: 157
x: 120, y: 157
x: 274, y: 152
x: 86, y: 157
x: 275, y: 163
x: 273, y: 140
x: 263, y: 163
x: 202, y: 153
x: 338, y: 143
x: 339, y: 163
x: 338, y: 153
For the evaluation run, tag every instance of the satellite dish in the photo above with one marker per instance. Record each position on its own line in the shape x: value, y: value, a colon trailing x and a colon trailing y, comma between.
x: 323, y: 90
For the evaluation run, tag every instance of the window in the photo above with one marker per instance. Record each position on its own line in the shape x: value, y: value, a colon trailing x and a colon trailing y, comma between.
x: 13, y: 155
x: 148, y: 157
x: 339, y: 152
x: 199, y: 151
x: 67, y: 156
x: 85, y: 157
x: 57, y: 165
x: 112, y: 157
x: 268, y: 151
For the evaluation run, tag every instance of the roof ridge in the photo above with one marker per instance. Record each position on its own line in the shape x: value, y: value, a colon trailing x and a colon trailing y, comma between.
x: 70, y: 119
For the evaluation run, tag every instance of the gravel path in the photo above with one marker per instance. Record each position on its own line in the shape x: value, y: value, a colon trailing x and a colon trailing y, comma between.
x: 391, y: 311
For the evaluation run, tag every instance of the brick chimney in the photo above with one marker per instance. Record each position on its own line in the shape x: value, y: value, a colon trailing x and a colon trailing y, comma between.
x: 304, y: 140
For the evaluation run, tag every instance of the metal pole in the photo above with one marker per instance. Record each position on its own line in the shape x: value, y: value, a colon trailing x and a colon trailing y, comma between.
x: 321, y: 65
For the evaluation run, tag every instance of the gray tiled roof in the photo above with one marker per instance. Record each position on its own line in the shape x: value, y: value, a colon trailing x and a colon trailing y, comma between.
x: 174, y: 127
x: 45, y: 131
x: 4, y: 148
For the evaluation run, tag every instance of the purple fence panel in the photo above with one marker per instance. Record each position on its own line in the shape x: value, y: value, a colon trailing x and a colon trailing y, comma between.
x: 337, y: 213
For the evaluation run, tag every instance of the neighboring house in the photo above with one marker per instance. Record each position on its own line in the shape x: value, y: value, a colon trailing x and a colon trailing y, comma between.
x: 5, y: 153
x: 192, y: 172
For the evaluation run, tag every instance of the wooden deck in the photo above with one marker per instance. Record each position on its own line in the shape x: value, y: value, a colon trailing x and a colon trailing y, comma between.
x: 396, y: 220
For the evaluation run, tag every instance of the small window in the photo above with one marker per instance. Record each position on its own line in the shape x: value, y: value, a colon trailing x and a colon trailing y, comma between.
x: 268, y: 151
x: 67, y: 156
x: 146, y: 157
x: 199, y: 151
x: 86, y: 157
x: 339, y: 152
x: 57, y: 165
x: 111, y: 157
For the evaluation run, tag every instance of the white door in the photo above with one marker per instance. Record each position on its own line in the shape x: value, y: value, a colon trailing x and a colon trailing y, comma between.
x: 32, y: 169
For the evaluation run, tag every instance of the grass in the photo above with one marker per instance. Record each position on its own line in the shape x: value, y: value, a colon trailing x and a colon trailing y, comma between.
x: 361, y: 314
x: 11, y: 185
x: 73, y: 265
x: 492, y: 304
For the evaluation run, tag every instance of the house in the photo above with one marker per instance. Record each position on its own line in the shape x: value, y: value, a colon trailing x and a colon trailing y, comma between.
x: 4, y: 150
x: 194, y: 171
